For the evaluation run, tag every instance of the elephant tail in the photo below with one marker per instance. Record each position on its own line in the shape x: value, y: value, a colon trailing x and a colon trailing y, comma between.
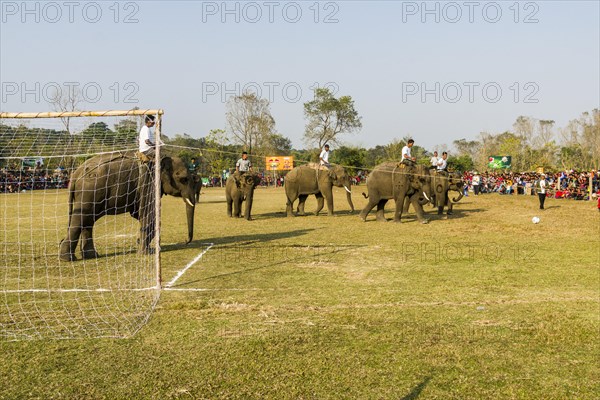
x: 366, y: 196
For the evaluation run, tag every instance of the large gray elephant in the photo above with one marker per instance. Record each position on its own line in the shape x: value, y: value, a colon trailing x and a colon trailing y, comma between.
x: 397, y: 181
x: 309, y: 179
x: 240, y: 188
x: 110, y: 184
x: 442, y: 183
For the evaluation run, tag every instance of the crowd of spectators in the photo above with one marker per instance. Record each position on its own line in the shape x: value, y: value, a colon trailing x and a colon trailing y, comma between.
x: 567, y: 184
x: 15, y: 181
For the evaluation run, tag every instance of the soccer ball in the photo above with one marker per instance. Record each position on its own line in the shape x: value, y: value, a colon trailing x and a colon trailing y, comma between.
x: 535, y: 220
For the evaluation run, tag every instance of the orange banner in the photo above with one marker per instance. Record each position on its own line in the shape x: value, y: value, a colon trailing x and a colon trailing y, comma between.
x: 279, y: 163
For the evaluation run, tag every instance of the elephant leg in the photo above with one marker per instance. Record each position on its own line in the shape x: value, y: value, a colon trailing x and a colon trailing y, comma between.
x: 406, y: 205
x: 301, y: 202
x: 147, y: 208
x: 380, y: 210
x: 229, y: 206
x: 87, y: 243
x: 69, y: 244
x: 289, y: 208
x: 327, y: 193
x: 320, y: 203
x: 240, y: 201
x: 418, y: 209
x: 365, y: 211
x: 398, y: 210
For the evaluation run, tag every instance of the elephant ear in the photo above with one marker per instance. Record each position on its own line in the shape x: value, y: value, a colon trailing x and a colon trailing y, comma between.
x: 256, y: 180
x: 166, y: 175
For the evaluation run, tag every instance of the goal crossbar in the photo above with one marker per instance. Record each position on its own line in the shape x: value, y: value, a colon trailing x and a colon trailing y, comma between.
x: 65, y: 114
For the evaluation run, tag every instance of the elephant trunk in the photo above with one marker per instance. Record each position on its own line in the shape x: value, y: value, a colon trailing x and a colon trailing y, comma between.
x: 424, y: 200
x: 457, y: 199
x: 190, y: 207
x: 248, y: 209
x: 349, y: 198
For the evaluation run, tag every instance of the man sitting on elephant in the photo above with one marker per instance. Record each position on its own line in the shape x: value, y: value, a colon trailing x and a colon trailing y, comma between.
x: 243, y: 165
x: 407, y: 158
x: 324, y: 157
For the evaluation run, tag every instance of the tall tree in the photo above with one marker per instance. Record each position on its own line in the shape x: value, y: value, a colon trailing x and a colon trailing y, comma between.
x: 249, y: 121
x: 328, y: 117
x: 65, y: 99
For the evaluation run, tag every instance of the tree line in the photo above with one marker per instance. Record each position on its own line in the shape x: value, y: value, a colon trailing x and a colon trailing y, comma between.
x: 251, y: 127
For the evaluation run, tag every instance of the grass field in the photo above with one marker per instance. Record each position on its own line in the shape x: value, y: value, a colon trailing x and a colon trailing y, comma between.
x: 482, y: 305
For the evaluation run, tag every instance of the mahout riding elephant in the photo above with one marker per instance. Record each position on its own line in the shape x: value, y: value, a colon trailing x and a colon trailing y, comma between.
x: 397, y: 181
x: 110, y: 184
x: 239, y: 188
x: 309, y: 179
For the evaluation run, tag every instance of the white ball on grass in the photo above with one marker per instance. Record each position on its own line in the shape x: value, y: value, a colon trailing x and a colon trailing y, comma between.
x: 535, y: 220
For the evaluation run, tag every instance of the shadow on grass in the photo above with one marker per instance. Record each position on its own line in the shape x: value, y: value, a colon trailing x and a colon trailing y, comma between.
x: 237, y: 239
x: 416, y: 392
x: 319, y: 254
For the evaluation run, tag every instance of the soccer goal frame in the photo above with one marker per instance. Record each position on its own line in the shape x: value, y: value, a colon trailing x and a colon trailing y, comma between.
x: 52, y: 333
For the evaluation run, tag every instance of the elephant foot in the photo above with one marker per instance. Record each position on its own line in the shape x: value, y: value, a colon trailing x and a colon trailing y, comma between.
x: 381, y: 220
x: 301, y: 214
x: 89, y: 254
x: 362, y: 217
x: 449, y: 213
x: 67, y: 257
x: 397, y: 221
x: 425, y: 221
x: 65, y: 253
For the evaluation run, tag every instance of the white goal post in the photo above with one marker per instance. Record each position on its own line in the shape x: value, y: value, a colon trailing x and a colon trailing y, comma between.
x: 73, y: 261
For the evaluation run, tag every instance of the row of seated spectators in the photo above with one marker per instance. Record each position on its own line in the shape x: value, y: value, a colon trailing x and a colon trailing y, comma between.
x: 567, y: 184
x: 15, y: 181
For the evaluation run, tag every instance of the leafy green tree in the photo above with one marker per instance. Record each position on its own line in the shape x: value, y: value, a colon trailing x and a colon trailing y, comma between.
x: 352, y: 158
x: 328, y: 117
x: 461, y: 163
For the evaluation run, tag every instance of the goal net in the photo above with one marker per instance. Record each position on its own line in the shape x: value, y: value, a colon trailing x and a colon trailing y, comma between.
x: 74, y: 263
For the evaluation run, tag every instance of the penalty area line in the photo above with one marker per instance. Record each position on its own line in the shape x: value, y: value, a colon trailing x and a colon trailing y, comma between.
x: 188, y: 266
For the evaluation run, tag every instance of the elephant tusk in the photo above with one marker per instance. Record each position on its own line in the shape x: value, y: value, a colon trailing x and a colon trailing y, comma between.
x: 427, y: 198
x: 347, y: 190
x: 189, y: 202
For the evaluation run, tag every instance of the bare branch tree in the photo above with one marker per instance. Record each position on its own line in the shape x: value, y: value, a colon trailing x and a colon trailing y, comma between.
x: 249, y: 120
x: 66, y: 98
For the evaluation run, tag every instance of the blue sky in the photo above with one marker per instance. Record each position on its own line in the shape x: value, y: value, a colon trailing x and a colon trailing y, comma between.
x: 185, y: 57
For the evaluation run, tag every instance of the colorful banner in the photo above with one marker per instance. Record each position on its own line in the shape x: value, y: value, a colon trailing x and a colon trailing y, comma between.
x: 499, y: 162
x: 33, y: 162
x: 279, y: 163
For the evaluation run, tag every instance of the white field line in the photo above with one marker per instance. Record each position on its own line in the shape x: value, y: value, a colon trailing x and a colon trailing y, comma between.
x: 211, y: 289
x: 188, y: 266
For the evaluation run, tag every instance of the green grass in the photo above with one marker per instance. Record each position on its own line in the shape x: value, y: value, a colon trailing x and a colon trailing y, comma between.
x: 482, y: 305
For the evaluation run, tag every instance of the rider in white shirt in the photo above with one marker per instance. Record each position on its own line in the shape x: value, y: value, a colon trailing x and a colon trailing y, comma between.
x: 407, y: 158
x: 442, y: 164
x: 324, y: 156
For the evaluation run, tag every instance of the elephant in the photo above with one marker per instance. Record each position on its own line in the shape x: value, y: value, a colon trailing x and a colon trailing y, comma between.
x: 111, y: 184
x: 240, y: 187
x: 309, y: 179
x: 397, y: 181
x: 441, y: 183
